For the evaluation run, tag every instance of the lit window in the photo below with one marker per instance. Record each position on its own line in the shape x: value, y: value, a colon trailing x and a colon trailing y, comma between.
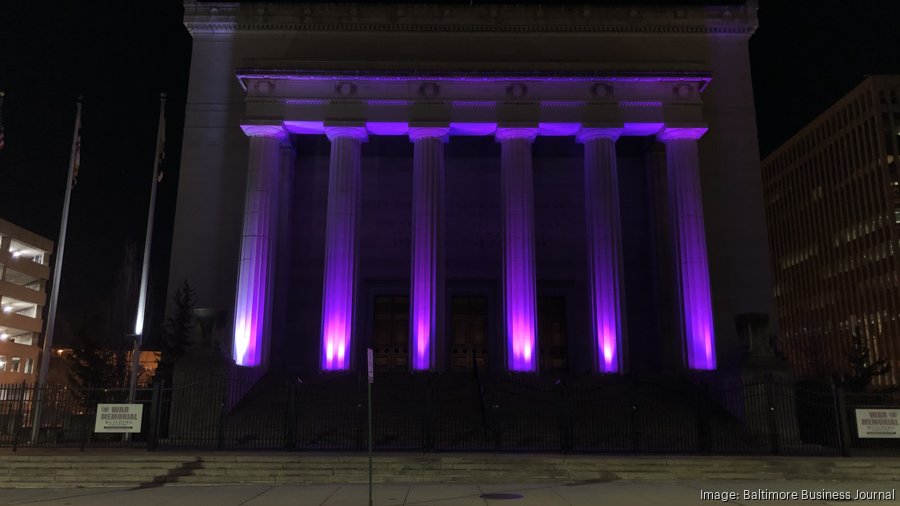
x: 14, y: 364
x: 29, y: 366
x: 2, y: 363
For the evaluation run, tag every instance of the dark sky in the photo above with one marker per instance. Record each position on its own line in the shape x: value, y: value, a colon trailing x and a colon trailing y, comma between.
x: 121, y: 55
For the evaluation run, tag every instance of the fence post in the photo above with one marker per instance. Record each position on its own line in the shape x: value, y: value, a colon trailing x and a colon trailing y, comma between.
x: 632, y: 414
x: 770, y: 411
x: 152, y: 431
x: 89, y: 432
x: 362, y: 413
x: 840, y: 414
x: 289, y: 419
x: 17, y: 419
x: 702, y: 419
x: 428, y: 418
x: 227, y: 381
x: 565, y: 418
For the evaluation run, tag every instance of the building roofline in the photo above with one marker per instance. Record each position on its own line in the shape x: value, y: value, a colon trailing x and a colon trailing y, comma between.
x: 18, y: 233
x: 866, y: 83
x: 226, y: 17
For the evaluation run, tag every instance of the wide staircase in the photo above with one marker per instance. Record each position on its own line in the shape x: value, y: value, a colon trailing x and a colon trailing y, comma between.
x: 132, y: 469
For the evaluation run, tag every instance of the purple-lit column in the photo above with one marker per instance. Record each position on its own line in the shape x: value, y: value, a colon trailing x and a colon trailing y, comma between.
x: 427, y: 242
x: 601, y: 198
x: 344, y: 193
x: 689, y: 241
x: 519, y: 302
x: 253, y: 298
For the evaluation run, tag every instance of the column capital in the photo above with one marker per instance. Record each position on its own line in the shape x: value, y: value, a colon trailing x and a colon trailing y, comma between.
x: 681, y: 133
x: 416, y: 133
x: 589, y: 134
x: 358, y: 133
x: 504, y: 134
x: 265, y: 130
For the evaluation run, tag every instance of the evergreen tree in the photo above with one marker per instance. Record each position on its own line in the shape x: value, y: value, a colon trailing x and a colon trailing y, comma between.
x: 175, y: 338
x: 862, y: 369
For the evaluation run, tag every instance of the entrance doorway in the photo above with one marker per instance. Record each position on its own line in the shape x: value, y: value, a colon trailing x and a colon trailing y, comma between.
x: 468, y: 333
x: 552, y: 338
x: 390, y: 336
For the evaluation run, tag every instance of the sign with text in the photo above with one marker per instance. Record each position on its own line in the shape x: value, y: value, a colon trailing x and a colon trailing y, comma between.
x: 878, y: 422
x: 118, y: 418
x: 371, y: 357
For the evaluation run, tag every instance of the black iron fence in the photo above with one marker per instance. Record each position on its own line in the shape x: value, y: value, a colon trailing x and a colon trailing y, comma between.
x: 457, y: 413
x: 67, y: 416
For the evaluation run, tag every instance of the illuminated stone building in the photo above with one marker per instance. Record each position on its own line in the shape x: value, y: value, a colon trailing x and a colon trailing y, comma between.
x: 517, y: 187
x: 833, y: 209
x: 24, y: 271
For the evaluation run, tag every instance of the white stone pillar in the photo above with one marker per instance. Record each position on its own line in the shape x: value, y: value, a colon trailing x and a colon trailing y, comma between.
x: 427, y: 244
x: 341, y: 246
x: 689, y: 244
x: 519, y: 298
x: 250, y: 345
x: 604, y: 241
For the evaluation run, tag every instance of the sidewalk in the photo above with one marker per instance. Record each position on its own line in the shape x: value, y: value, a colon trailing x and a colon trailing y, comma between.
x: 614, y: 493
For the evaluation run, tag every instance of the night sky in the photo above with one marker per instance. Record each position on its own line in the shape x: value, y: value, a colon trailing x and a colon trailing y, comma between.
x: 121, y: 55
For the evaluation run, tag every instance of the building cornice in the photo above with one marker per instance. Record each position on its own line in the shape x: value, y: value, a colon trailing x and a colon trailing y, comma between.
x: 232, y: 17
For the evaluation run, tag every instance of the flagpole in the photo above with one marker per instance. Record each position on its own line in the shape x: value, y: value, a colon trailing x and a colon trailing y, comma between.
x: 57, y: 276
x: 145, y: 272
x: 2, y: 140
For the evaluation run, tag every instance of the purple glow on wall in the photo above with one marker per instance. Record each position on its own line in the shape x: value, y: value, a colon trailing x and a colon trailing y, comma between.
x: 254, y: 271
x: 518, y: 248
x: 469, y: 128
x: 341, y: 246
x: 427, y: 242
x: 601, y: 186
x: 690, y: 245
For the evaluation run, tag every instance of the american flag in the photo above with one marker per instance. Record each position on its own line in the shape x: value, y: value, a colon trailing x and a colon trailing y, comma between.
x: 77, y: 161
x: 161, y: 140
x: 2, y: 140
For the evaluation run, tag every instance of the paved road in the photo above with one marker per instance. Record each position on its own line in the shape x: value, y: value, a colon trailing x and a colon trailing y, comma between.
x: 615, y: 493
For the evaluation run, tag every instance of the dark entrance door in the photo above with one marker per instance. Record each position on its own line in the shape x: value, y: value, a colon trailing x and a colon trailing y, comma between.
x: 468, y: 333
x: 552, y: 338
x: 390, y: 339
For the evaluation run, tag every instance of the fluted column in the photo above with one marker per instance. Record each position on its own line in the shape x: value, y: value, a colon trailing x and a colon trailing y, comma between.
x: 253, y: 297
x: 689, y: 242
x: 604, y: 240
x: 427, y: 243
x: 519, y: 301
x: 341, y: 231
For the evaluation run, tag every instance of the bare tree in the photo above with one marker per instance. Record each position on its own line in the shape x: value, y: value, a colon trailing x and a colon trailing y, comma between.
x: 101, y: 343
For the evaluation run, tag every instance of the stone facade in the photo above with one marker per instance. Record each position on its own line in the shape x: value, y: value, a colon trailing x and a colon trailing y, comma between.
x: 549, y: 118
